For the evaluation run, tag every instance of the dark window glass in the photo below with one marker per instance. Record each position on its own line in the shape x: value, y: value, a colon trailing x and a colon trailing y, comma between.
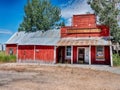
x: 68, y: 51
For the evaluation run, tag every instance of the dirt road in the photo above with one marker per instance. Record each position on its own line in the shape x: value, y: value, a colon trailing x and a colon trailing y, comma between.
x: 40, y: 77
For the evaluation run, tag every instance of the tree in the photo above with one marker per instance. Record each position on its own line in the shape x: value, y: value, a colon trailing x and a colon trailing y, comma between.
x: 108, y: 13
x: 62, y: 23
x: 39, y: 15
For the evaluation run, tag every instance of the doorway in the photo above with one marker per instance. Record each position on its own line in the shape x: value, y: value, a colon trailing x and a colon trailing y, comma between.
x: 81, y: 55
x: 60, y: 55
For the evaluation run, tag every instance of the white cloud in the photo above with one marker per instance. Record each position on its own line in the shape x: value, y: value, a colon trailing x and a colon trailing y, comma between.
x: 5, y: 31
x: 77, y: 7
x: 68, y: 21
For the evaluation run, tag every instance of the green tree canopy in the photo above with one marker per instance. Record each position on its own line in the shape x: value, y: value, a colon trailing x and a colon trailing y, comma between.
x: 108, y: 13
x: 39, y: 15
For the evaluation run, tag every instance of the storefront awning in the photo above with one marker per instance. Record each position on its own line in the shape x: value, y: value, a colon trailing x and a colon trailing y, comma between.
x: 83, y: 41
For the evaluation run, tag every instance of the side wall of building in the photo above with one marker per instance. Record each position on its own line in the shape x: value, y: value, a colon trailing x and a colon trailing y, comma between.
x: 45, y: 53
x: 11, y: 46
x: 36, y: 53
x: 25, y: 52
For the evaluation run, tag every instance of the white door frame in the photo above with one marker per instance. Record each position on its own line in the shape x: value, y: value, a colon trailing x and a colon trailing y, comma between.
x: 77, y: 52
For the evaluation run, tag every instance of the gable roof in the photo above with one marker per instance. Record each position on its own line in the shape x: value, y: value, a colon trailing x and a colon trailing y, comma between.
x: 50, y: 37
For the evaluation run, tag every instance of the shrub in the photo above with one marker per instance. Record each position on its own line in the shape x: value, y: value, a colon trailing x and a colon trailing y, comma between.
x: 7, y: 58
x: 12, y: 58
x: 116, y: 60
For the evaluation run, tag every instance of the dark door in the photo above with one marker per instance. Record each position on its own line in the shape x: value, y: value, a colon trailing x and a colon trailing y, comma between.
x: 60, y: 57
x: 81, y: 52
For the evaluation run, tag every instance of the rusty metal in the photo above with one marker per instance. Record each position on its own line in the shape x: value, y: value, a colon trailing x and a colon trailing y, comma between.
x: 83, y: 41
x: 92, y: 30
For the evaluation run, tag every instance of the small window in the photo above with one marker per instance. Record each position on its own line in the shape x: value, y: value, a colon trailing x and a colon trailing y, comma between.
x: 10, y: 51
x: 100, y: 53
x: 68, y: 51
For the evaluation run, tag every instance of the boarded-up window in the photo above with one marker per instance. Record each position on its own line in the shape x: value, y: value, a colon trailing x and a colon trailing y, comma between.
x: 99, y: 53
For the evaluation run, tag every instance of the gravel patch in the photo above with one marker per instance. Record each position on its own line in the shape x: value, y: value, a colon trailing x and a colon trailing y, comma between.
x: 107, y: 68
x: 34, y: 76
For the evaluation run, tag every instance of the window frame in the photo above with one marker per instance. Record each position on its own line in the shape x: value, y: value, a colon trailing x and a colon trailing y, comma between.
x: 66, y: 51
x: 11, y: 50
x: 103, y: 57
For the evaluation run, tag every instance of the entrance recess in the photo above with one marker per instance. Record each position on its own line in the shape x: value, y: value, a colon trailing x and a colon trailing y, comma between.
x: 81, y: 55
x: 60, y: 55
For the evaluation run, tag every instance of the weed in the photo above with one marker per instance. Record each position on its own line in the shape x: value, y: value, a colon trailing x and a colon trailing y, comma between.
x: 7, y: 58
x: 116, y: 60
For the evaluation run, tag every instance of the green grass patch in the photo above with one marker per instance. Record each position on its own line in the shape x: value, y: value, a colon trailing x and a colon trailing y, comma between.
x: 7, y: 58
x: 116, y: 60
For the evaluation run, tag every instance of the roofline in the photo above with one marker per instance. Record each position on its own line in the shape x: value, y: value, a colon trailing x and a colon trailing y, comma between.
x: 12, y: 36
x: 10, y: 43
x: 84, y: 15
x: 35, y: 45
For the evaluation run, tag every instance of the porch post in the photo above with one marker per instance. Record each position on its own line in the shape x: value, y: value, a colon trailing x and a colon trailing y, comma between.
x: 71, y: 54
x: 54, y: 54
x: 89, y: 54
x: 111, y: 61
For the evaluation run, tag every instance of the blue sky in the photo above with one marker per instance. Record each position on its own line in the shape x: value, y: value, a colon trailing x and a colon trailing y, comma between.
x: 12, y: 12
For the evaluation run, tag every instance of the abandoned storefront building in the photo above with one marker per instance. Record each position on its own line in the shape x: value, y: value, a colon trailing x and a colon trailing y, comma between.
x: 84, y: 42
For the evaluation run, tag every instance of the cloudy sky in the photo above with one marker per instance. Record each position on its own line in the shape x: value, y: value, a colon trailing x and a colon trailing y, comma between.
x: 12, y: 12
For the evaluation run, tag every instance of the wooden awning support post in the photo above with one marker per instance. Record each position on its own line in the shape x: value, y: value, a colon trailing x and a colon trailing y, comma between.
x: 89, y: 54
x: 71, y: 54
x: 111, y: 60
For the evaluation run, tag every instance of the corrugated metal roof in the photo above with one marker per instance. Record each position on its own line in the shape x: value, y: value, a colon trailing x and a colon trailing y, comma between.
x: 16, y: 38
x: 83, y: 41
x: 50, y: 37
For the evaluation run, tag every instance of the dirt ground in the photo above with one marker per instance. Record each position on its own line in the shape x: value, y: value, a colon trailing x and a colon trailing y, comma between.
x: 40, y: 77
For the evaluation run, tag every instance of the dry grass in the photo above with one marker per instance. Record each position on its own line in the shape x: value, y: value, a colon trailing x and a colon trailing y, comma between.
x: 62, y: 78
